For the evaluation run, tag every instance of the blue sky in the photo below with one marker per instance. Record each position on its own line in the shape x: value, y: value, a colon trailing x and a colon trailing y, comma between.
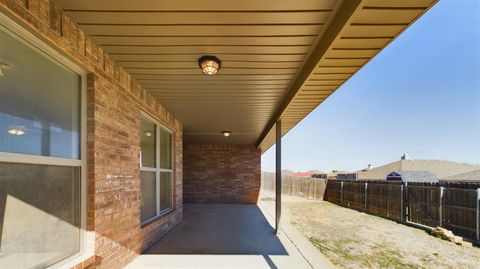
x: 420, y: 95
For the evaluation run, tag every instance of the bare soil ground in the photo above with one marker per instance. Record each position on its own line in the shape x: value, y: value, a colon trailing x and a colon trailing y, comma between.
x: 352, y: 239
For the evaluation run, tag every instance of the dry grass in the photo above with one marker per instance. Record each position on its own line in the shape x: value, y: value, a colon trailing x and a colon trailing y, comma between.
x: 351, y: 239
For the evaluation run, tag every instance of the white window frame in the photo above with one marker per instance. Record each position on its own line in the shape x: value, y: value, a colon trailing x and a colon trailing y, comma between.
x: 87, y: 238
x: 157, y: 169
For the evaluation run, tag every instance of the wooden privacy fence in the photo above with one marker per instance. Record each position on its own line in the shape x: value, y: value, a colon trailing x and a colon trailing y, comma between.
x: 308, y: 188
x: 454, y: 206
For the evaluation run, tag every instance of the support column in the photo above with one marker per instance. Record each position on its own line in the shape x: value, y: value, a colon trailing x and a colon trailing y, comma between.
x: 278, y: 174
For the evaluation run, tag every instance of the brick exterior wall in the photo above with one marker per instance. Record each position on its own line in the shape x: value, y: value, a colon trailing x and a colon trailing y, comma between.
x: 114, y: 101
x: 221, y: 174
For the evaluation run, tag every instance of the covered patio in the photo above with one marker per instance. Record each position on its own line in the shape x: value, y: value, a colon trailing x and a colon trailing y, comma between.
x: 151, y: 149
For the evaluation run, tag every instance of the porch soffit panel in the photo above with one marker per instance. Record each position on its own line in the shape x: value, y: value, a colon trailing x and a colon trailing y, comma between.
x: 265, y: 47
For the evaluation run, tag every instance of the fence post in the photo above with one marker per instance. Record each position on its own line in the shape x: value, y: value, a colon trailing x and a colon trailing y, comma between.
x: 341, y: 192
x: 402, y: 209
x: 478, y: 214
x: 407, y: 203
x: 440, y: 211
x: 366, y: 192
x: 292, y: 193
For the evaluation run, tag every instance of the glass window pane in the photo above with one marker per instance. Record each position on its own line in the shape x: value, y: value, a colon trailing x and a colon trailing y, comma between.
x: 165, y: 149
x: 147, y: 143
x: 39, y: 103
x: 149, y: 197
x: 165, y: 190
x: 39, y: 214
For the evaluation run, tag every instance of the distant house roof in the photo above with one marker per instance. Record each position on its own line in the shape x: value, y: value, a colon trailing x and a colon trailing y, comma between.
x: 307, y: 174
x: 468, y: 176
x: 287, y: 172
x: 336, y: 172
x: 412, y: 176
x: 346, y: 176
x: 441, y: 169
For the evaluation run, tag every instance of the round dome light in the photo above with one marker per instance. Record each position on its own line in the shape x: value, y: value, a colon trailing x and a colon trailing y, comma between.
x: 17, y: 130
x: 226, y: 133
x: 209, y: 64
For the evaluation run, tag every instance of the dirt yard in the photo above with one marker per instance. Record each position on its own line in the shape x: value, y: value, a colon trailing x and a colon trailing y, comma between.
x: 351, y: 239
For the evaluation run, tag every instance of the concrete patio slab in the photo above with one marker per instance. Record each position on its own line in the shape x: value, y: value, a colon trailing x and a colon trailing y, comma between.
x: 224, y: 236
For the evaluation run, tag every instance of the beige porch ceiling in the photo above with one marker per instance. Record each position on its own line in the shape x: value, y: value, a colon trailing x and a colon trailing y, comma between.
x: 281, y: 58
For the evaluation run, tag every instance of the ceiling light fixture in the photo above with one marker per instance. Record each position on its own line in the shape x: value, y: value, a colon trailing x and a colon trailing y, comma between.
x: 148, y: 133
x: 16, y: 130
x: 209, y: 64
x: 226, y: 133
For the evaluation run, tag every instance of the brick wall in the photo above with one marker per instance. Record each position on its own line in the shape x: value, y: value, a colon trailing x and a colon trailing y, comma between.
x: 114, y: 102
x: 113, y: 176
x: 221, y: 174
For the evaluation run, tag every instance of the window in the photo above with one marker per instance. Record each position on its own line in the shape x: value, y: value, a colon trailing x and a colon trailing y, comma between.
x: 155, y: 169
x: 41, y: 165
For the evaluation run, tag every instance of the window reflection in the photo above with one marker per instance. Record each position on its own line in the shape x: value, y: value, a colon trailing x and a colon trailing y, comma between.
x: 39, y: 103
x: 165, y: 149
x: 40, y: 205
x: 148, y: 142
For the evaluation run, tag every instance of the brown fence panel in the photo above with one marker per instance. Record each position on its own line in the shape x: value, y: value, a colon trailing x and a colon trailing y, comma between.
x: 333, y: 192
x: 268, y: 182
x: 451, y: 205
x: 354, y: 195
x: 295, y: 186
x: 299, y: 187
x: 318, y: 189
x: 423, y: 204
x: 307, y: 188
x: 459, y: 211
x: 286, y: 186
x: 385, y: 200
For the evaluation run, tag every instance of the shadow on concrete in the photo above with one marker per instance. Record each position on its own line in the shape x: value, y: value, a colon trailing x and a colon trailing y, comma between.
x: 221, y: 229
